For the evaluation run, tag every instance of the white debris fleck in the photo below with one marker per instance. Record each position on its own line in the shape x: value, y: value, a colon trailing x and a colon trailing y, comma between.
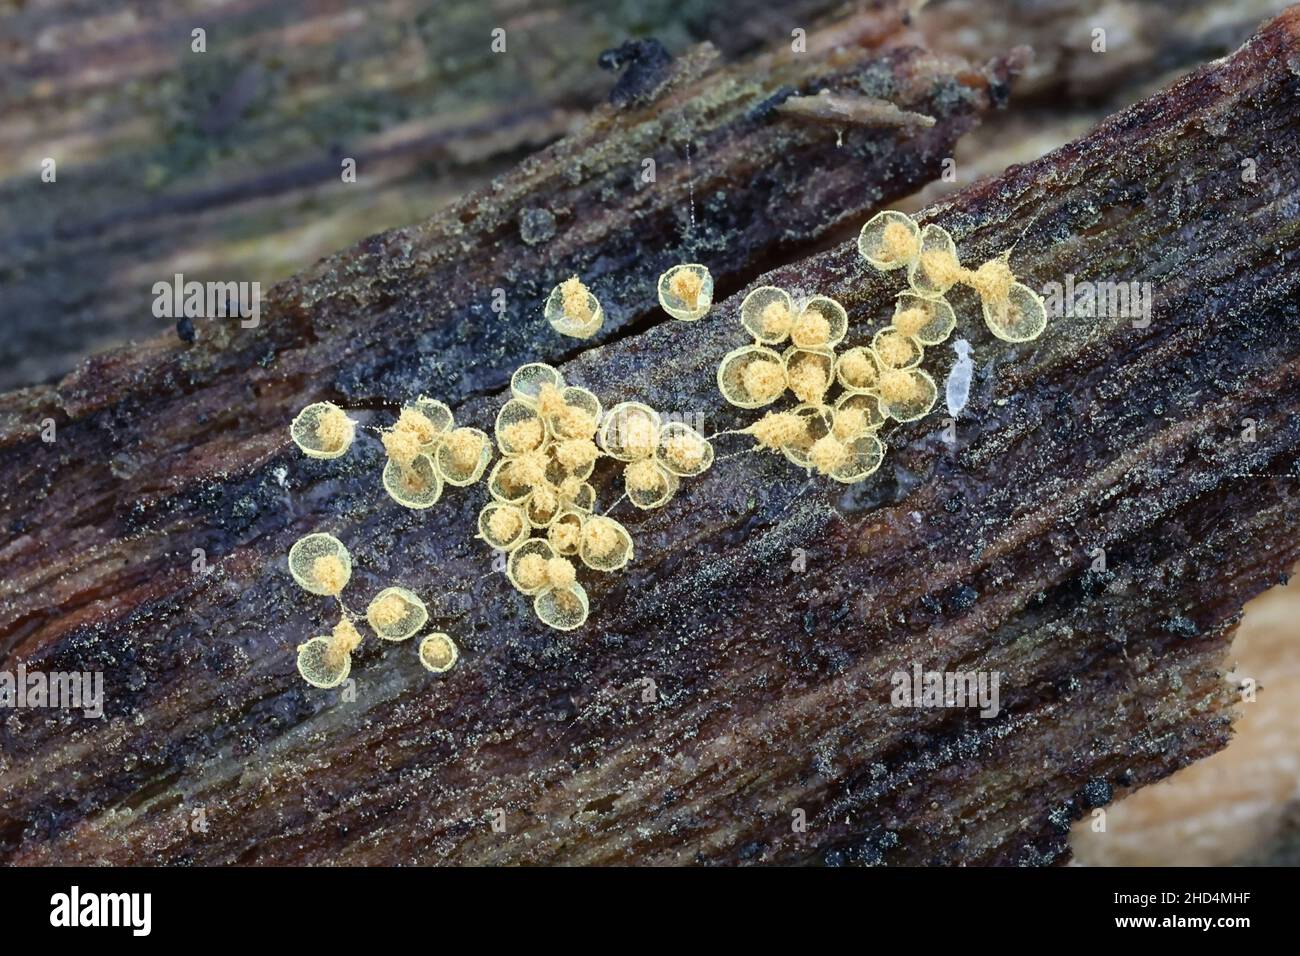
x: 958, y: 387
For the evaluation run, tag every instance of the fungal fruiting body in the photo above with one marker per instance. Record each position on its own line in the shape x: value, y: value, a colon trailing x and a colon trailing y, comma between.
x: 808, y: 373
x: 683, y: 451
x: 544, y: 434
x: 335, y: 659
x: 907, y: 395
x: 462, y: 456
x: 604, y: 544
x: 752, y: 376
x: 410, y: 479
x: 929, y: 321
x: 768, y: 314
x: 656, y: 456
x: 551, y: 580
x: 1020, y: 316
x: 936, y: 268
x: 503, y: 526
x: 857, y: 370
x: 839, y: 109
x: 809, y: 369
x: 396, y: 614
x: 686, y: 291
x: 1012, y: 310
x: 890, y: 240
x: 321, y: 564
x: 776, y: 431
x: 877, y: 381
x: 551, y: 435
x: 894, y: 350
x: 427, y: 451
x: 573, y: 310
x: 326, y: 661
x: 322, y: 430
x: 438, y: 653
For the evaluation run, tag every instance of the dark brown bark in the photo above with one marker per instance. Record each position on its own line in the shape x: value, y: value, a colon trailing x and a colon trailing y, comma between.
x: 225, y: 165
x: 773, y: 686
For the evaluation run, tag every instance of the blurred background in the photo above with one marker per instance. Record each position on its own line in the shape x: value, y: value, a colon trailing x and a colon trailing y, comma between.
x: 225, y: 165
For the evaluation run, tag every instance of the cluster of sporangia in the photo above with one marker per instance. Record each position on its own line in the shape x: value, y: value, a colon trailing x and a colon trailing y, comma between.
x: 424, y: 451
x: 322, y: 565
x: 550, y: 435
x: 877, y: 382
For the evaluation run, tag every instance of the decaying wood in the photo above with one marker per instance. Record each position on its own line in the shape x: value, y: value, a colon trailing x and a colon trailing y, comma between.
x: 225, y: 164
x: 853, y: 111
x: 410, y: 312
x: 771, y: 686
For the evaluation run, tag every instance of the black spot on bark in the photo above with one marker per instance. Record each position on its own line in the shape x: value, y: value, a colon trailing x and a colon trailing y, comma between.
x: 645, y: 65
x: 1180, y: 626
x: 1096, y: 793
x: 964, y: 598
x: 765, y: 109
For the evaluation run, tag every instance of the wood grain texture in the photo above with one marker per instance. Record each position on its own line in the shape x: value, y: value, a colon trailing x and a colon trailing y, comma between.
x: 225, y: 165
x: 1241, y: 806
x: 772, y: 685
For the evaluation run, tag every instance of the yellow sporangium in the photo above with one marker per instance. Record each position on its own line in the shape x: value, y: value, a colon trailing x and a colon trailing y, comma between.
x: 890, y: 240
x: 438, y: 653
x: 809, y: 373
x: 396, y: 614
x: 322, y: 430
x: 320, y: 563
x: 686, y: 291
x: 573, y: 310
x: 325, y: 662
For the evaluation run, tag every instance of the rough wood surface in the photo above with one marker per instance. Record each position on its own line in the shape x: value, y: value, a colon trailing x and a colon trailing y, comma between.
x: 225, y: 165
x: 772, y: 685
x: 1239, y: 806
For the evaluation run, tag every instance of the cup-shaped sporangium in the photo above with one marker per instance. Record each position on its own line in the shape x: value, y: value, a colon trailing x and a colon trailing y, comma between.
x: 890, y: 240
x: 1022, y: 317
x: 503, y: 526
x: 573, y: 310
x: 895, y: 350
x: 438, y: 652
x: 929, y: 321
x: 768, y: 314
x: 686, y: 291
x: 396, y: 614
x: 751, y: 376
x: 907, y: 395
x: 936, y: 268
x: 320, y: 563
x: 323, y: 430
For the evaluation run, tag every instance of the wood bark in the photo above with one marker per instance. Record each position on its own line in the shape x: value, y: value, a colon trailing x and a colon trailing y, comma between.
x: 771, y: 685
x: 225, y: 165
